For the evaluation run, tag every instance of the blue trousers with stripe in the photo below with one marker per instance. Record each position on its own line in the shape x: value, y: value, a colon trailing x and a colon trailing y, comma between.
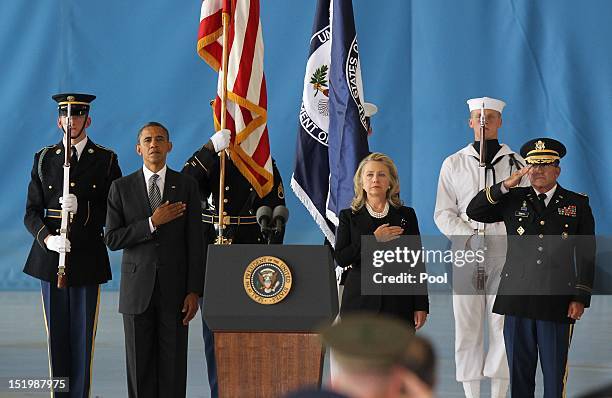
x: 526, y: 338
x: 209, y: 352
x: 71, y: 317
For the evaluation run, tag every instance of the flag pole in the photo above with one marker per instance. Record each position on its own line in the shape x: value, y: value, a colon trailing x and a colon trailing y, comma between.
x: 221, y: 240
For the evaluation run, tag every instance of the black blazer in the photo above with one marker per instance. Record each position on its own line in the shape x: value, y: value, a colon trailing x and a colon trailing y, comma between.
x: 348, y: 252
x: 549, y: 252
x: 173, y: 253
x: 87, y: 262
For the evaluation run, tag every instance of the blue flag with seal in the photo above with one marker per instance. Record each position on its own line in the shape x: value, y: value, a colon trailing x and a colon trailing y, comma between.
x: 310, y: 179
x: 348, y: 131
x: 332, y: 137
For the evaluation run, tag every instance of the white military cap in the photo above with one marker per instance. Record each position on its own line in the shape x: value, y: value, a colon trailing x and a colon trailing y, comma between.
x: 370, y: 109
x: 489, y: 103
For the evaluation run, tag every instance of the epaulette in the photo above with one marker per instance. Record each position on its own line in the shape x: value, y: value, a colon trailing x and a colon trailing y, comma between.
x: 104, y: 148
x: 45, y: 148
x: 583, y: 194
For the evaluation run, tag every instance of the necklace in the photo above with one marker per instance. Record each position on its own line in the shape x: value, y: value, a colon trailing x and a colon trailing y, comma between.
x: 377, y: 214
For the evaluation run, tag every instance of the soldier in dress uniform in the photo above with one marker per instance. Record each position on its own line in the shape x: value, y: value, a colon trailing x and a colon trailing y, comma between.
x: 547, y: 280
x: 240, y: 205
x: 71, y: 313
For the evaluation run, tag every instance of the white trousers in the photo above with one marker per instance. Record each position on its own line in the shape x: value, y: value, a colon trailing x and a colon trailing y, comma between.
x: 473, y: 363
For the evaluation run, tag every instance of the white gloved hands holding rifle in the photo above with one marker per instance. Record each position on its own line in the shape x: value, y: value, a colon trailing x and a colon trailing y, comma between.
x: 57, y: 243
x: 221, y: 139
x: 70, y: 203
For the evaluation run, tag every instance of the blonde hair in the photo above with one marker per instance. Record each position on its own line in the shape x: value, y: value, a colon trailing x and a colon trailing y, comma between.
x: 392, y: 193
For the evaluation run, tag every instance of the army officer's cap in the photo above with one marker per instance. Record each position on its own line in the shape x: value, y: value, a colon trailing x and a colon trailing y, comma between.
x: 542, y: 151
x: 79, y: 103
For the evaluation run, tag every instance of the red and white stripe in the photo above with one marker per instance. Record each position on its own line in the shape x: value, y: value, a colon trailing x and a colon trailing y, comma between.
x: 247, y: 101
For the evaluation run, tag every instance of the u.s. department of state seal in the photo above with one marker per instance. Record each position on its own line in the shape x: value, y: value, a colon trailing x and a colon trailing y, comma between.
x: 267, y: 280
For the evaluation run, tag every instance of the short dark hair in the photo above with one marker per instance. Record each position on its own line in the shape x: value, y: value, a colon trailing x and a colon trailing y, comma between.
x: 153, y: 124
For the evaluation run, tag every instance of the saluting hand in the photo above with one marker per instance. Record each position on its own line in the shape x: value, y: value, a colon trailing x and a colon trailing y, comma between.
x: 190, y: 307
x: 516, y: 177
x: 385, y: 233
x: 167, y: 212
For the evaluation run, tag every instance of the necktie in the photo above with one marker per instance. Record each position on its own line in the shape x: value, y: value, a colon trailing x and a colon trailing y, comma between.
x: 540, y: 204
x: 154, y: 194
x: 74, y: 158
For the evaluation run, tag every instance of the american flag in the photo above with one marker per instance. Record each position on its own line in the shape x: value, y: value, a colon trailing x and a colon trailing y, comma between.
x: 247, y: 102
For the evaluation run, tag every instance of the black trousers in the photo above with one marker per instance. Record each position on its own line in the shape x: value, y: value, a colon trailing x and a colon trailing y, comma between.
x: 156, y: 350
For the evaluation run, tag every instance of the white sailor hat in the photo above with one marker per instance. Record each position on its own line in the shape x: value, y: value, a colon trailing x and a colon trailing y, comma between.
x: 489, y: 103
x: 370, y: 109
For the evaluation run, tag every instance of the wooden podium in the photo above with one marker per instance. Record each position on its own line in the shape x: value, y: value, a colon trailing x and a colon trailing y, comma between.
x: 268, y: 350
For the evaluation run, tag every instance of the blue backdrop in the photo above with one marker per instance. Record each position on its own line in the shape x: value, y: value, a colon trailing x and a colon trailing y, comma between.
x: 550, y: 60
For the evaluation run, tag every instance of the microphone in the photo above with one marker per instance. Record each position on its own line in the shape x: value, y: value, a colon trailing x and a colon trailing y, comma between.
x: 264, y: 217
x: 280, y: 217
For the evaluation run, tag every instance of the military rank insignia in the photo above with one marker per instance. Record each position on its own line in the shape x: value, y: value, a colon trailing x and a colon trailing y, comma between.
x: 569, y: 211
x: 267, y: 280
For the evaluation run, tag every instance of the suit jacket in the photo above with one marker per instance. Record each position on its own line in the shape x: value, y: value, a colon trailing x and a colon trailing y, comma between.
x: 551, y: 253
x: 90, y: 180
x: 240, y: 198
x: 172, y: 254
x: 348, y: 252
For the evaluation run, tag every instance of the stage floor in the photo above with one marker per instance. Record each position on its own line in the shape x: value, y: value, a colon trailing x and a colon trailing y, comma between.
x: 23, y: 349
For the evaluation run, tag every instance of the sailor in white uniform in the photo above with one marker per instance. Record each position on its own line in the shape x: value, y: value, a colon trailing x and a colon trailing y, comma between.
x: 475, y: 284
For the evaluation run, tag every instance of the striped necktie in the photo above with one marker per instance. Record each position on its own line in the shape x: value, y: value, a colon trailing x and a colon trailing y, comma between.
x: 154, y: 194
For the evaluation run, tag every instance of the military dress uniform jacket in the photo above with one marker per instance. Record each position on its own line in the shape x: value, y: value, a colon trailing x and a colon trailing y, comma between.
x: 553, y: 263
x: 240, y: 199
x: 90, y: 180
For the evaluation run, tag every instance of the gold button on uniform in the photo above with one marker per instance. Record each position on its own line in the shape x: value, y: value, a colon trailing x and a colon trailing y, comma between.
x: 565, y: 224
x: 72, y: 184
x: 539, y: 262
x: 540, y: 248
x: 224, y: 200
x: 93, y: 186
x: 540, y: 236
x: 50, y: 186
x: 227, y: 188
x: 542, y: 222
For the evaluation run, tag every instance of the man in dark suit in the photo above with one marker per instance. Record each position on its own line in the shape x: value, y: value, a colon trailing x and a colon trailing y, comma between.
x: 241, y: 202
x: 71, y: 313
x: 154, y: 216
x: 547, y: 280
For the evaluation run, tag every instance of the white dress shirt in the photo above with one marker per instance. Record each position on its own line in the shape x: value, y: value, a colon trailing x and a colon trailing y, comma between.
x: 80, y: 147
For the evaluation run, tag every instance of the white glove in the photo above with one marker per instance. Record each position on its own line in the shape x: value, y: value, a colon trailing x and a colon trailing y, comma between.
x: 70, y: 203
x: 58, y: 244
x: 221, y: 139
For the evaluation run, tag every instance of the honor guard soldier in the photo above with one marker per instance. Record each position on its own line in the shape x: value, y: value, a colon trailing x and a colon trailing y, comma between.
x: 241, y: 202
x: 70, y: 312
x: 463, y: 174
x: 548, y: 276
